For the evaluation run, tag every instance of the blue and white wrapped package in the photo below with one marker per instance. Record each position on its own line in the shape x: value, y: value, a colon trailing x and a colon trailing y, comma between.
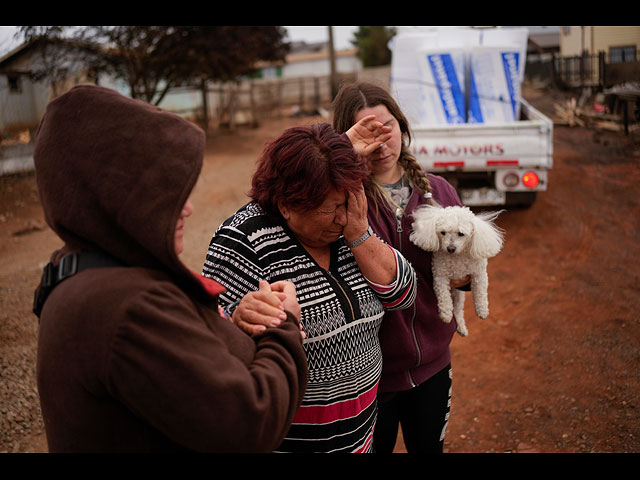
x: 406, y: 75
x: 442, y: 87
x: 511, y: 39
x: 494, y: 85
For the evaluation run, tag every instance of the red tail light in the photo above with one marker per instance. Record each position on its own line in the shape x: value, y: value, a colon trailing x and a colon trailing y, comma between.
x: 530, y: 180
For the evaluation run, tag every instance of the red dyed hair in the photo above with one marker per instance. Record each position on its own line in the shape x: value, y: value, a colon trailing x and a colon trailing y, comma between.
x: 299, y: 168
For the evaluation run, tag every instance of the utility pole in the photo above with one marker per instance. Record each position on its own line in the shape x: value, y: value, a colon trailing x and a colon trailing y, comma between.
x: 332, y: 61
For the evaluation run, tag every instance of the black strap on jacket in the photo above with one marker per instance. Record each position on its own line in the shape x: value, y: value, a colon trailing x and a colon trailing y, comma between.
x: 69, y: 265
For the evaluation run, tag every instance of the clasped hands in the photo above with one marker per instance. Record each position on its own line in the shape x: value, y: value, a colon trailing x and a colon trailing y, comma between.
x: 267, y: 307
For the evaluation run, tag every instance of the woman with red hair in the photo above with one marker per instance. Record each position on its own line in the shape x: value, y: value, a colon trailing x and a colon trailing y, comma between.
x: 307, y: 224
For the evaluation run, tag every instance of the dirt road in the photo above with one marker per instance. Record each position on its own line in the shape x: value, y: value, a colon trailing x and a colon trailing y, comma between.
x: 555, y: 367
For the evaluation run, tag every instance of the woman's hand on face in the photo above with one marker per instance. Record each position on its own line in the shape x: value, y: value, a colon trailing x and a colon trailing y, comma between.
x: 357, y: 222
x: 266, y: 307
x: 367, y: 135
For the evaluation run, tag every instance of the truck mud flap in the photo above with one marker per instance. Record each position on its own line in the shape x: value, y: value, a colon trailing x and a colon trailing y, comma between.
x: 521, y: 199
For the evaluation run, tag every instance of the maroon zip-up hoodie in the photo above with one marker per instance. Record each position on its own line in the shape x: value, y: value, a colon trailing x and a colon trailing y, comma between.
x: 135, y: 357
x: 415, y: 342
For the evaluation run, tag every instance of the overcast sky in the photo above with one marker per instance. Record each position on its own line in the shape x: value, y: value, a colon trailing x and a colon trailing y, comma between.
x: 341, y: 35
x: 6, y: 39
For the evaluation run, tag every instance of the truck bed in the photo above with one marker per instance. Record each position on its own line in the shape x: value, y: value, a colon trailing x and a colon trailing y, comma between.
x: 480, y: 160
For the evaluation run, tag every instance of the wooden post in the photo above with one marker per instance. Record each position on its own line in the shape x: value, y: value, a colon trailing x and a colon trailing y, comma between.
x: 205, y: 104
x: 316, y: 98
x: 252, y: 101
x: 232, y: 105
x: 332, y: 60
x: 279, y: 87
x: 602, y: 66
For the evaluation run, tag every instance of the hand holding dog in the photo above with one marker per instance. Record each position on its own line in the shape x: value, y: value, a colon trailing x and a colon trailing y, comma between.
x: 461, y: 283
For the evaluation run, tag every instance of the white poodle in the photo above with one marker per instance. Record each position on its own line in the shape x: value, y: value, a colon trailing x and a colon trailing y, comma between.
x: 461, y: 243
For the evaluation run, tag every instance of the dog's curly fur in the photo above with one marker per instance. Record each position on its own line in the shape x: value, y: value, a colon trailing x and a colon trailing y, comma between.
x: 461, y: 243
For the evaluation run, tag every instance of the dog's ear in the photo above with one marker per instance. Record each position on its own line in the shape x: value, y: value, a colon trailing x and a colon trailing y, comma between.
x: 487, y: 238
x: 424, y: 233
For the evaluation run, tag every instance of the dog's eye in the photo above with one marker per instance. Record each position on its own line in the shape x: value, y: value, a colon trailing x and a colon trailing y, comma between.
x: 460, y: 234
x: 443, y: 233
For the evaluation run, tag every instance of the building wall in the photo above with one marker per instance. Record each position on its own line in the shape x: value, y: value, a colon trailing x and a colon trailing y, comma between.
x: 574, y: 40
x: 319, y: 65
x: 23, y: 108
x: 594, y: 39
x: 618, y: 36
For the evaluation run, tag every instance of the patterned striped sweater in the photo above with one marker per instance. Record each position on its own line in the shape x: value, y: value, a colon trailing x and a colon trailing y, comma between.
x: 341, y: 313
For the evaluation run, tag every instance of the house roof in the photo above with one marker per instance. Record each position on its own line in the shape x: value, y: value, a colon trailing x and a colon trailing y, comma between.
x: 543, y: 39
x: 11, y: 56
x: 10, y: 61
x: 545, y: 42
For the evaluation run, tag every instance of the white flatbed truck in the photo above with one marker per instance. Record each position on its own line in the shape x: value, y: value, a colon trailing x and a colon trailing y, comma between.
x: 490, y: 164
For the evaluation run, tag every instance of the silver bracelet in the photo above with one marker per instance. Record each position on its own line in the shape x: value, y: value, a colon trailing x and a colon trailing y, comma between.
x: 360, y: 240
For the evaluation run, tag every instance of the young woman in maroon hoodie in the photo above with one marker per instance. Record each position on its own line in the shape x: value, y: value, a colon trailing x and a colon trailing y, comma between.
x: 415, y: 388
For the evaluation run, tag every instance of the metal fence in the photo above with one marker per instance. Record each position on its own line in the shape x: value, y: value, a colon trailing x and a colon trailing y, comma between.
x: 250, y: 102
x: 597, y: 70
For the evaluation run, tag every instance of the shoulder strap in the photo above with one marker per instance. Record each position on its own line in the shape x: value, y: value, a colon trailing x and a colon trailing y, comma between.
x: 69, y: 265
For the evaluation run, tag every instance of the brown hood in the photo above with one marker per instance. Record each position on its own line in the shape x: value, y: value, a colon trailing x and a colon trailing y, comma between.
x: 113, y: 174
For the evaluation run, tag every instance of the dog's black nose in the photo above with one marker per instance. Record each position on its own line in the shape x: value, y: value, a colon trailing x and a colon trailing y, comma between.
x: 451, y: 249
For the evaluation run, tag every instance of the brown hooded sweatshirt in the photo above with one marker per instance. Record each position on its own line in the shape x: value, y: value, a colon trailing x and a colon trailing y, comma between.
x: 136, y: 357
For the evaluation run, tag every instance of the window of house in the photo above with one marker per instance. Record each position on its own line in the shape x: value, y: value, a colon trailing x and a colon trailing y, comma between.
x: 14, y: 84
x: 622, y: 54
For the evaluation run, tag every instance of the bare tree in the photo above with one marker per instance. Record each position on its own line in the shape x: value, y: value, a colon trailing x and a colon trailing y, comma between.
x: 154, y: 59
x: 56, y: 56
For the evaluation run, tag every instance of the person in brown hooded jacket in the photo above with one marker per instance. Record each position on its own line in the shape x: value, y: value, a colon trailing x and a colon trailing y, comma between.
x: 133, y: 355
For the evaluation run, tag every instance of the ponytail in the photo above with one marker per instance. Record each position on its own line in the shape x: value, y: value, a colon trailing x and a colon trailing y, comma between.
x: 416, y: 174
